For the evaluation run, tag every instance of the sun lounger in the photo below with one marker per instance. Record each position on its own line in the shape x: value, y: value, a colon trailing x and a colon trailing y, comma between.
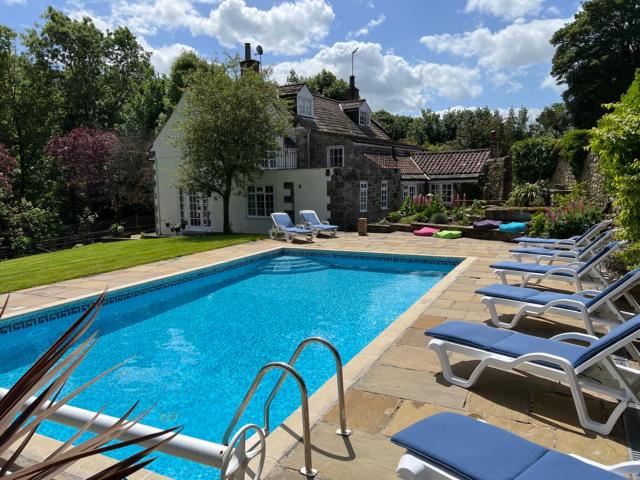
x: 311, y: 220
x: 538, y: 254
x: 283, y: 227
x: 587, y: 305
x: 455, y: 447
x: 555, y: 243
x: 590, y: 368
x: 574, y: 273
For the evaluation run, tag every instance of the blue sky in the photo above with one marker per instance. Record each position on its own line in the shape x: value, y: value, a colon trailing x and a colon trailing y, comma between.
x: 413, y: 54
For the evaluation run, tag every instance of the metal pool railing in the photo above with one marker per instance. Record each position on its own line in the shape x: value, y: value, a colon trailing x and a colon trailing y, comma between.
x: 233, y: 461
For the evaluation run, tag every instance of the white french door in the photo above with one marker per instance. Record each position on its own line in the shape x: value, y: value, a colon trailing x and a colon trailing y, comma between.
x: 194, y: 211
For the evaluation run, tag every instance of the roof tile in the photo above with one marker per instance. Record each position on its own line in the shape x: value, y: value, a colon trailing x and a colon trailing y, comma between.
x: 461, y: 162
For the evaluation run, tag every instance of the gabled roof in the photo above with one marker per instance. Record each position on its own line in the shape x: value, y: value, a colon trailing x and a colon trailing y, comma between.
x: 407, y: 167
x: 291, y: 89
x: 460, y: 163
x: 351, y: 104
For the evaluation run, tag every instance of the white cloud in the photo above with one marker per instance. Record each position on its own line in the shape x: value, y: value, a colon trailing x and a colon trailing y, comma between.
x: 371, y: 24
x: 509, y: 9
x: 521, y: 44
x: 15, y: 2
x: 387, y: 80
x: 288, y: 28
x: 551, y: 83
x: 163, y: 57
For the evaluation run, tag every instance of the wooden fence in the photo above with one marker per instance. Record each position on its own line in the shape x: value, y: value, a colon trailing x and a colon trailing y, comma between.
x: 70, y: 235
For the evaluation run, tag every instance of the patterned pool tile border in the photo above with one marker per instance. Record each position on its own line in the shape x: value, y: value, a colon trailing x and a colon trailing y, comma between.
x: 45, y: 315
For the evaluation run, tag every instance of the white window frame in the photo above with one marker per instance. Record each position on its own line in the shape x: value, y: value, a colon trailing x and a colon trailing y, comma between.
x: 335, y: 148
x: 410, y: 190
x: 305, y: 106
x: 364, y: 118
x: 384, y: 194
x: 263, y: 199
x: 364, y: 196
x: 194, y: 210
x: 442, y: 190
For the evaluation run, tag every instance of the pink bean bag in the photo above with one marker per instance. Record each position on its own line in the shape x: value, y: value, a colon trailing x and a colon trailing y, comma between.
x: 425, y: 232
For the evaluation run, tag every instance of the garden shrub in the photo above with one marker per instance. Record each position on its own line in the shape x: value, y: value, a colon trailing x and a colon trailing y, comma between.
x: 573, y: 147
x: 624, y: 260
x: 23, y: 225
x: 439, y: 218
x: 565, y: 220
x: 534, y: 159
x: 616, y: 141
x: 394, y: 217
x: 529, y: 195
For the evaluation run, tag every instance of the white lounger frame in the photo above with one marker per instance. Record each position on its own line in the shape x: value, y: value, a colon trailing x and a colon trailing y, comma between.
x: 575, y: 378
x: 567, y: 255
x: 413, y: 467
x: 590, y: 275
x: 584, y: 313
x: 569, y: 243
x: 333, y: 231
x: 278, y: 232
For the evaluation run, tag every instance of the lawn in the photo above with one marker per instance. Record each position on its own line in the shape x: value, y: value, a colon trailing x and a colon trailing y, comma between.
x: 45, y: 268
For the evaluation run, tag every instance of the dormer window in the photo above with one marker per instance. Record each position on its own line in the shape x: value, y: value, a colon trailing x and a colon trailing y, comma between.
x: 305, y: 102
x: 365, y: 118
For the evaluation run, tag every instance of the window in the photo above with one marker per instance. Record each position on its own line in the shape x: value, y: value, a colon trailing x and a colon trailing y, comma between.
x: 305, y: 106
x: 443, y: 190
x: 408, y: 191
x: 364, y: 196
x: 384, y: 194
x: 260, y: 200
x: 365, y: 118
x: 335, y: 156
x: 194, y: 210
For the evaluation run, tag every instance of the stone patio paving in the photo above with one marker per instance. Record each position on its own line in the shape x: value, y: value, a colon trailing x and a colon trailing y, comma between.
x: 404, y: 384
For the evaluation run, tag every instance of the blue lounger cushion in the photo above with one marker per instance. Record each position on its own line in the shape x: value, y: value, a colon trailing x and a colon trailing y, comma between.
x: 474, y: 450
x: 527, y: 267
x: 546, y: 252
x: 545, y: 240
x: 322, y: 226
x: 532, y: 295
x: 504, y: 342
x: 299, y: 230
x: 514, y: 344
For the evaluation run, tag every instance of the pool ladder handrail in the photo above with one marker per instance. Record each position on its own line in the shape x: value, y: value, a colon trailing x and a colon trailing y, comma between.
x: 287, y: 369
x: 343, y: 430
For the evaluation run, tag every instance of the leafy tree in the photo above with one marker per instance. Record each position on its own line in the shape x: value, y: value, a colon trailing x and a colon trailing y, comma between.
x: 97, y: 72
x: 396, y: 126
x: 573, y: 148
x: 596, y: 56
x: 534, y: 159
x: 183, y: 66
x: 230, y: 125
x: 24, y: 225
x: 323, y: 83
x: 616, y: 141
x: 553, y: 120
x: 7, y: 166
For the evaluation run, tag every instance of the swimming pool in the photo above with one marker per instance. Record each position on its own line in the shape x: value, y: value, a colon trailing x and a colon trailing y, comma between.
x: 193, y: 342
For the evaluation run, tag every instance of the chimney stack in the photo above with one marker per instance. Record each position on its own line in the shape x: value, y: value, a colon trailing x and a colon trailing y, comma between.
x: 354, y: 93
x: 494, y: 145
x: 248, y: 62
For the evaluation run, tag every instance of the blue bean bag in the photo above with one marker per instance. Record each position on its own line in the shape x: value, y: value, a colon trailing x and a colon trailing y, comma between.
x: 513, y: 227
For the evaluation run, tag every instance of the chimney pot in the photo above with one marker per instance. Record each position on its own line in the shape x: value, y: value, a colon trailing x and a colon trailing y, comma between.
x: 247, y: 51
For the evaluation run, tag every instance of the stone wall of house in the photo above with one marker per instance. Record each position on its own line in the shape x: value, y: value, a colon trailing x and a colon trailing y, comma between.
x: 563, y: 177
x: 495, y: 180
x: 343, y: 190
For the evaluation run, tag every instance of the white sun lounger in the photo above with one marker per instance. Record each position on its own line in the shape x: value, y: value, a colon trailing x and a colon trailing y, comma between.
x: 586, y: 305
x: 581, y: 368
x: 311, y: 220
x: 538, y: 254
x: 283, y: 227
x: 566, y: 243
x: 574, y: 273
x: 450, y: 446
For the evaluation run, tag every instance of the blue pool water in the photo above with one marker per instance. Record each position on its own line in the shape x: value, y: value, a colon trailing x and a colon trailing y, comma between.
x: 194, y: 348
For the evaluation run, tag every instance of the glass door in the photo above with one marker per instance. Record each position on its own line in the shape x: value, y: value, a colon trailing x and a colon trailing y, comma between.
x: 194, y: 211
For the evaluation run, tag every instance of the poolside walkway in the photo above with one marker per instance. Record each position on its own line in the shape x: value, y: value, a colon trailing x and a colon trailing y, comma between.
x: 403, y: 383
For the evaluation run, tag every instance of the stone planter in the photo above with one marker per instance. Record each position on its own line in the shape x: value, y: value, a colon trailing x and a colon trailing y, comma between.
x: 512, y: 214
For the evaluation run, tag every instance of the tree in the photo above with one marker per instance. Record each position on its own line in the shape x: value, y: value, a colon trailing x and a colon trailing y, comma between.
x: 230, y: 124
x: 553, y: 120
x: 183, y: 66
x: 616, y: 141
x: 396, y: 126
x: 534, y: 159
x: 97, y: 72
x: 596, y: 56
x: 7, y: 166
x: 324, y: 83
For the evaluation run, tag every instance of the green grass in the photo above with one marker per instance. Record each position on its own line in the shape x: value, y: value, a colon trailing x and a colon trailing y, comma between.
x: 45, y: 268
